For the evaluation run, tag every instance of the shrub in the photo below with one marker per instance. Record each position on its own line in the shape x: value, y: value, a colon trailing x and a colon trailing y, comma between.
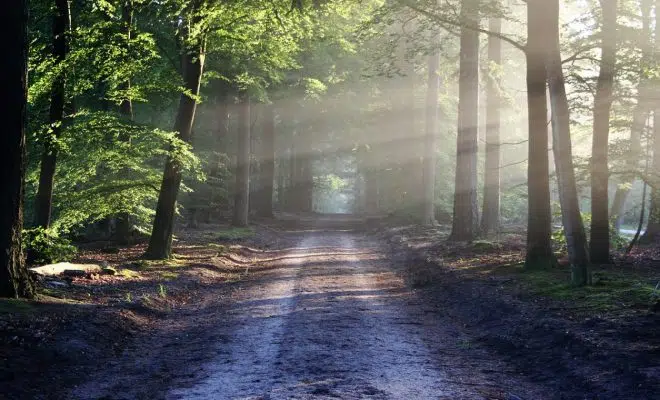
x: 45, y: 246
x: 617, y: 242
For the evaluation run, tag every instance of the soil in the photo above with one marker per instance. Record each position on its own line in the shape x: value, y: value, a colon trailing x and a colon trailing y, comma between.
x: 314, y: 307
x: 577, y: 350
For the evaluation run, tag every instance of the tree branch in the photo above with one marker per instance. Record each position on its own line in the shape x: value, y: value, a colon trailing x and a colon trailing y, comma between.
x: 447, y: 21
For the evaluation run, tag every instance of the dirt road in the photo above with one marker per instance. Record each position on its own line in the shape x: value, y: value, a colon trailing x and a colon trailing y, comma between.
x: 329, y: 317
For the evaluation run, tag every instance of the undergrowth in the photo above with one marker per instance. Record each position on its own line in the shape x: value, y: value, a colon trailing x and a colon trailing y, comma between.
x: 610, y: 290
x: 234, y: 234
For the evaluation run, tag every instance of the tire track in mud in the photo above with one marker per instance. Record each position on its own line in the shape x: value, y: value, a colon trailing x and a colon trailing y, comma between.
x: 334, y: 321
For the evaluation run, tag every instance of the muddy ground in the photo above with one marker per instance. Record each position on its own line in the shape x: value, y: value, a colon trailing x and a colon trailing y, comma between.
x: 327, y: 308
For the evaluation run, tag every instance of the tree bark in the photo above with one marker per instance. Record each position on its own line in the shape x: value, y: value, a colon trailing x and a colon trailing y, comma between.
x: 640, y: 115
x: 428, y: 167
x: 600, y: 223
x: 267, y: 162
x: 14, y: 278
x: 306, y: 182
x: 60, y: 48
x: 576, y: 240
x: 539, y: 249
x: 242, y: 187
x: 371, y: 203
x: 653, y: 228
x: 160, y: 243
x: 490, y: 216
x: 123, y: 223
x: 465, y: 220
x: 254, y: 198
x: 302, y: 179
x: 292, y: 172
x: 410, y: 147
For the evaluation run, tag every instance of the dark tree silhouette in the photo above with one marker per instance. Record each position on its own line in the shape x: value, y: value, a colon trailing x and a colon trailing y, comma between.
x: 14, y: 278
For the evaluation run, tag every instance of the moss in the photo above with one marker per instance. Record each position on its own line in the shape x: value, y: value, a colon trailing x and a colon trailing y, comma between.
x: 16, y: 306
x: 234, y: 234
x: 150, y: 264
x: 167, y: 275
x: 129, y: 273
x: 220, y: 248
x: 610, y: 290
x: 483, y: 246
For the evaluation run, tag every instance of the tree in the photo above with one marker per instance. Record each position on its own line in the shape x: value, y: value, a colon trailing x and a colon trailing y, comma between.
x: 576, y: 240
x: 539, y: 249
x: 242, y: 186
x: 600, y: 224
x: 126, y: 110
x: 192, y: 61
x: 428, y: 169
x: 465, y: 220
x: 267, y: 162
x: 653, y: 227
x: 490, y: 217
x: 640, y: 115
x: 60, y: 48
x: 14, y: 278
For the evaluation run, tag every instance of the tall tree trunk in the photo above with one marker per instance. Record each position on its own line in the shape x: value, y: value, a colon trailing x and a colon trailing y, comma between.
x: 267, y: 162
x: 303, y: 179
x: 490, y: 216
x: 653, y: 228
x: 292, y: 184
x: 371, y: 204
x: 465, y: 221
x: 60, y: 48
x: 14, y: 278
x: 254, y: 200
x: 123, y: 225
x: 576, y: 240
x: 640, y: 115
x: 242, y: 187
x: 126, y: 105
x: 160, y: 243
x: 428, y: 168
x: 410, y: 146
x: 306, y: 184
x: 600, y: 223
x: 539, y: 249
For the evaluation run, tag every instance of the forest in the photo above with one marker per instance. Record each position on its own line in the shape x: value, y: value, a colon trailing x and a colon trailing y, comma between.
x: 296, y: 182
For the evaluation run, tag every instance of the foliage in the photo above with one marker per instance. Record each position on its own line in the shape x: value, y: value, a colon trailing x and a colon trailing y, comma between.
x: 617, y: 241
x: 234, y: 234
x: 610, y: 290
x: 100, y: 174
x: 46, y: 246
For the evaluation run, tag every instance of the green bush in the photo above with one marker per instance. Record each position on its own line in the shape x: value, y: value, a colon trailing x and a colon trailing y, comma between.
x: 45, y: 246
x: 100, y: 174
x: 617, y: 242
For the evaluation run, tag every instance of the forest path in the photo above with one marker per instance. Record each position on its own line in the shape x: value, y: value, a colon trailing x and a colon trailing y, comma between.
x: 328, y: 318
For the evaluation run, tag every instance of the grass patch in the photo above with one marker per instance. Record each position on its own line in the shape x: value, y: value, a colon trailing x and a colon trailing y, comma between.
x: 162, y: 290
x: 484, y: 246
x: 15, y: 306
x: 234, y: 234
x: 151, y: 264
x: 168, y: 276
x: 129, y: 273
x: 220, y: 248
x: 610, y: 289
